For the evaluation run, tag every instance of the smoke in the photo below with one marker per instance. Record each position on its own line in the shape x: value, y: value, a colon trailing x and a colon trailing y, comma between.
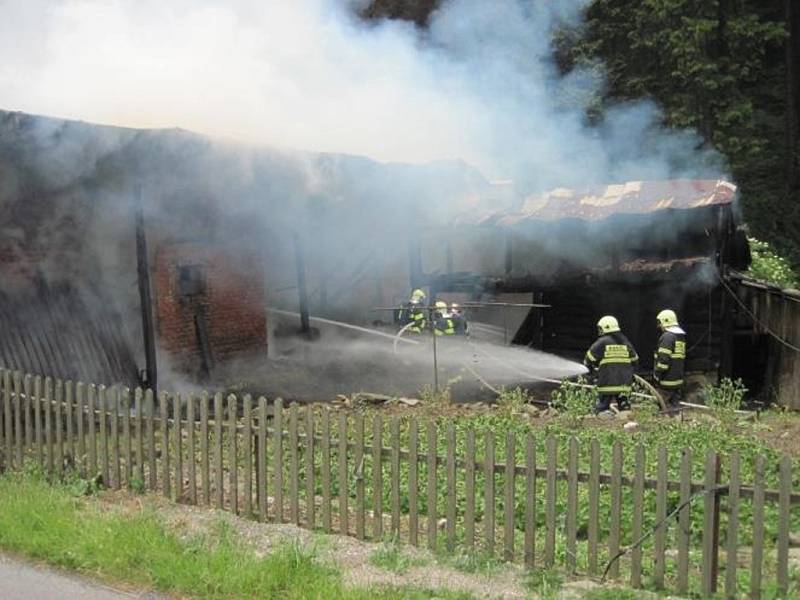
x: 480, y: 84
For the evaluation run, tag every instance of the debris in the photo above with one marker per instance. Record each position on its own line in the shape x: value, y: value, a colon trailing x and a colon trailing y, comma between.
x: 631, y: 425
x: 530, y: 410
x: 409, y: 401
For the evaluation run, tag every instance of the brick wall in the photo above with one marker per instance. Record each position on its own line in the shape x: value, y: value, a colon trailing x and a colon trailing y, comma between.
x: 229, y: 293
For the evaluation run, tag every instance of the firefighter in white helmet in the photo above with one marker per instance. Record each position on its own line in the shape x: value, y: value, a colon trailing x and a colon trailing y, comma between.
x: 459, y: 319
x: 669, y: 359
x: 612, y: 359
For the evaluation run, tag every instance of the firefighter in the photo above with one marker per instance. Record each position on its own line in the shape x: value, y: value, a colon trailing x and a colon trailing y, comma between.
x: 443, y: 322
x: 612, y: 360
x: 669, y: 358
x: 414, y: 313
x: 459, y: 320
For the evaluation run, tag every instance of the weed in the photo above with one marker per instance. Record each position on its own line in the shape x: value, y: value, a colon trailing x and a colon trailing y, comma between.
x: 137, y: 485
x: 545, y: 582
x: 471, y: 562
x: 725, y: 398
x: 512, y: 400
x: 575, y: 401
x: 391, y: 556
x: 614, y: 593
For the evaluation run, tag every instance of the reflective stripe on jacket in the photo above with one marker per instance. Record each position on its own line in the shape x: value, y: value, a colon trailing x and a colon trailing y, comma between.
x: 614, y: 359
x: 669, y: 360
x: 444, y: 326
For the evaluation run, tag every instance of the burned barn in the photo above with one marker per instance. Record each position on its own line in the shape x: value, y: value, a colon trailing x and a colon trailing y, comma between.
x: 629, y: 250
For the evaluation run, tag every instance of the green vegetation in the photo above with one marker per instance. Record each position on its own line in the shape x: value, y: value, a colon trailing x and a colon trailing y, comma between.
x: 392, y: 556
x: 770, y: 267
x: 47, y: 522
x: 545, y: 582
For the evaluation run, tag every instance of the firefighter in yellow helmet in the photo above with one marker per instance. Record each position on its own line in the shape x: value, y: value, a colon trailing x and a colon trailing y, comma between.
x: 669, y: 359
x: 414, y: 313
x: 443, y: 322
x: 612, y: 359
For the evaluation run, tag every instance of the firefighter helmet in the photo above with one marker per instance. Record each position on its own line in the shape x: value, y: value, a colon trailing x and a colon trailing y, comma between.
x: 455, y: 308
x: 441, y: 305
x: 607, y: 324
x: 667, y: 318
x: 417, y: 294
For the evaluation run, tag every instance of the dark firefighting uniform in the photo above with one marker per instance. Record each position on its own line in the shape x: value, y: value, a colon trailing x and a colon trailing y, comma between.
x: 669, y: 363
x: 413, y: 313
x: 443, y: 325
x: 613, y: 359
x: 460, y: 323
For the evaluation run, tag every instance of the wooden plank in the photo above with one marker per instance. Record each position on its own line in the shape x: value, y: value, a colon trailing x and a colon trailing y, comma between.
x: 784, y: 524
x: 469, y: 491
x: 325, y: 468
x: 58, y: 433
x: 508, y: 529
x: 732, y: 534
x: 615, y: 493
x: 572, y: 506
x: 233, y: 455
x: 709, y: 583
x: 19, y: 436
x: 344, y: 511
x: 660, y: 536
x: 638, y: 516
x: 684, y: 530
x: 219, y: 473
x: 550, y: 502
x: 112, y: 397
x: 37, y: 417
x: 90, y: 416
x: 488, y: 493
x: 530, y: 501
x: 127, y: 445
x: 432, y: 487
x: 358, y: 460
x: 757, y: 551
x: 594, y: 502
x: 450, y: 478
x: 48, y: 427
x: 395, y: 477
x: 377, y: 478
x: 278, y: 472
x: 294, y: 466
x: 205, y: 474
x: 263, y: 505
x: 177, y: 431
x: 165, y: 466
x: 8, y: 418
x: 137, y: 410
x: 80, y: 400
x: 190, y: 448
x: 413, y: 482
x: 150, y: 410
x: 28, y: 390
x: 69, y: 400
x: 3, y: 421
x: 308, y: 460
x: 247, y: 451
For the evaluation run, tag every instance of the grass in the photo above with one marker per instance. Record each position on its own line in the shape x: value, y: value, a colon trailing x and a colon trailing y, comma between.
x: 50, y: 523
x: 390, y: 556
x: 545, y: 582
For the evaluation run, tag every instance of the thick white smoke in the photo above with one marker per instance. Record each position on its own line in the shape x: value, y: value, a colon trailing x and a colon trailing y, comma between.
x: 479, y: 85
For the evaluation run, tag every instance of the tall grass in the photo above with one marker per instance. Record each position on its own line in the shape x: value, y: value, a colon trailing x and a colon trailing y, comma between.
x: 48, y: 523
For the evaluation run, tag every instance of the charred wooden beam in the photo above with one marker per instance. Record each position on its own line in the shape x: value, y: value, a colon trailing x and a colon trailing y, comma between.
x: 145, y: 296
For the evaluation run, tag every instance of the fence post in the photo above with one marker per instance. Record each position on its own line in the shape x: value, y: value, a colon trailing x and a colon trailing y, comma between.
x: 757, y: 552
x: 784, y: 513
x: 7, y: 418
x: 294, y: 466
x: 711, y: 524
x: 69, y: 391
x: 594, y: 502
x: 377, y: 479
x: 165, y: 467
x: 126, y: 435
x: 233, y: 455
x: 732, y: 534
x: 152, y: 470
x: 510, y: 484
x: 28, y: 388
x: 358, y: 460
x: 550, y: 503
x: 326, y: 469
x: 18, y: 433
x: 190, y: 456
x: 219, y: 474
x: 661, y: 514
x: 488, y: 493
x: 469, y: 491
x: 344, y: 520
x: 262, y: 459
x: 90, y: 420
x: 638, y: 516
x: 615, y: 494
x: 413, y: 482
x: 80, y: 391
x: 684, y: 522
x: 432, y: 495
x: 247, y: 451
x: 530, y: 500
x: 395, y: 475
x: 311, y: 486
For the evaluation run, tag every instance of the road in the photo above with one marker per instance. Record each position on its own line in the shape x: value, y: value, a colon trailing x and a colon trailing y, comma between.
x: 21, y: 581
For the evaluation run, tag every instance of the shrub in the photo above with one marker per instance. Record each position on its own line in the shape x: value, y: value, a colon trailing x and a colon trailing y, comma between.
x: 769, y: 266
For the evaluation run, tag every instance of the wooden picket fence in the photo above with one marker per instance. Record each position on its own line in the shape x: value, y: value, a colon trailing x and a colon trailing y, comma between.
x: 376, y: 478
